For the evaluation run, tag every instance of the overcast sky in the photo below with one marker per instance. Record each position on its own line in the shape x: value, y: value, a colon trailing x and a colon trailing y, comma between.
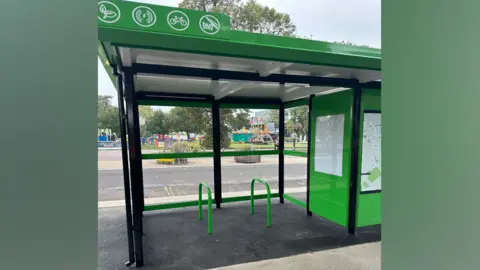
x: 327, y: 20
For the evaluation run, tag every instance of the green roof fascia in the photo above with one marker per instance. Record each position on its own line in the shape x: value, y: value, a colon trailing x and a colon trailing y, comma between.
x: 249, y: 45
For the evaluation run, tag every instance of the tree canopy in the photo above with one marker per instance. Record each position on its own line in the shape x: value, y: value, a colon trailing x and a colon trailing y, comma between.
x: 250, y: 16
x: 107, y: 114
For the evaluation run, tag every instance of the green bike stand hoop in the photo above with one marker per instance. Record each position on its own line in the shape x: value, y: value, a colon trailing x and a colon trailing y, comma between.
x: 200, y: 213
x: 269, y: 199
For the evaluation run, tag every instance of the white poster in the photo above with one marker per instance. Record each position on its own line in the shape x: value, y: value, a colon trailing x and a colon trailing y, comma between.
x: 371, y: 178
x: 329, y: 144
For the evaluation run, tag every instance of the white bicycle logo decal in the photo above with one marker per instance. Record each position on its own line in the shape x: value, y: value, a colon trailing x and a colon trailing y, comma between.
x: 178, y: 20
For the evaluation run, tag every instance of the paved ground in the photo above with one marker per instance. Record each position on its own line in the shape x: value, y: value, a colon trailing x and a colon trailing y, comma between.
x: 175, y: 239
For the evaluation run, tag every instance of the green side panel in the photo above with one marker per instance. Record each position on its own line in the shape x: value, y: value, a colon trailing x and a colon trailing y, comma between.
x: 371, y: 99
x: 249, y: 106
x: 295, y: 201
x: 134, y: 16
x: 329, y: 193
x: 296, y: 103
x: 294, y: 153
x: 176, y: 103
x: 369, y: 205
x: 369, y: 209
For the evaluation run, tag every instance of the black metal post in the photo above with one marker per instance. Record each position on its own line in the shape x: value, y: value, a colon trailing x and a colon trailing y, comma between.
x: 217, y: 158
x: 309, y: 150
x: 126, y: 177
x: 281, y: 148
x: 355, y: 152
x: 135, y: 164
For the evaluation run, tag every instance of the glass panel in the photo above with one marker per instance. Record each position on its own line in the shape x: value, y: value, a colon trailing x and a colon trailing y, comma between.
x: 296, y: 128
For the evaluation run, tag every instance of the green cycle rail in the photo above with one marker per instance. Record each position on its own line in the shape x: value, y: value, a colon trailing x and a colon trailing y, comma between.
x: 209, y: 202
x: 269, y: 199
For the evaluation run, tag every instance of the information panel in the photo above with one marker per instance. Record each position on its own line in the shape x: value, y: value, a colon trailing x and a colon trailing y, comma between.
x: 371, y: 178
x: 329, y: 133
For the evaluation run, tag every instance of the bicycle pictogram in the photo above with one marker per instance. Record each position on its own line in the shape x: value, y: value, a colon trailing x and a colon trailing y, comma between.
x: 178, y: 20
x: 175, y: 20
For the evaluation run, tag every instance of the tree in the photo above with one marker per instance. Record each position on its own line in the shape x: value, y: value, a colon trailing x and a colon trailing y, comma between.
x: 145, y: 111
x: 190, y: 120
x: 155, y: 124
x: 103, y: 102
x: 108, y: 119
x: 351, y: 44
x: 256, y: 18
x: 250, y: 16
x: 236, y: 119
x: 221, y: 6
x: 199, y: 121
x: 107, y: 115
x: 274, y: 116
x: 298, y: 121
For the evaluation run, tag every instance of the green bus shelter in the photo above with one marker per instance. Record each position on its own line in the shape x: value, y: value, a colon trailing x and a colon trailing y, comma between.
x: 169, y: 56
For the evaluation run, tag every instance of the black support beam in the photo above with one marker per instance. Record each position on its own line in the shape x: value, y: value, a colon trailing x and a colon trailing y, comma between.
x: 309, y: 150
x: 148, y: 95
x: 355, y: 153
x: 126, y: 177
x: 217, y: 158
x: 281, y: 148
x: 135, y: 155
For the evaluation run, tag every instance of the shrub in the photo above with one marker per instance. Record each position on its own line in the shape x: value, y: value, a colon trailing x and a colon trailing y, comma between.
x: 184, y: 147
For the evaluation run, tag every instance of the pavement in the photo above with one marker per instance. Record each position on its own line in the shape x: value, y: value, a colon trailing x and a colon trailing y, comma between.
x: 359, y: 257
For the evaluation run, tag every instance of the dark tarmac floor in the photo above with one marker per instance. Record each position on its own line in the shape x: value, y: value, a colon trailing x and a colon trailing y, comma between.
x: 176, y: 239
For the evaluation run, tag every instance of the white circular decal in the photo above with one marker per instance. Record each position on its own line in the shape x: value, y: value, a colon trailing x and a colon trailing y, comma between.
x: 108, y: 12
x: 144, y: 16
x: 209, y: 24
x: 178, y: 20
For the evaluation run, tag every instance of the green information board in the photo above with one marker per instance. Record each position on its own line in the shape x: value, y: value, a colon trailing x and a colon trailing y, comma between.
x: 162, y: 19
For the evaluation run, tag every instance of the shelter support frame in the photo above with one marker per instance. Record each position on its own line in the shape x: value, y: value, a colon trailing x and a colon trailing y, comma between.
x: 133, y: 176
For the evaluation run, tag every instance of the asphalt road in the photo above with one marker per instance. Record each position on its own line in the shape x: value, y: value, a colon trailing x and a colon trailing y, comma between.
x: 179, y: 181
